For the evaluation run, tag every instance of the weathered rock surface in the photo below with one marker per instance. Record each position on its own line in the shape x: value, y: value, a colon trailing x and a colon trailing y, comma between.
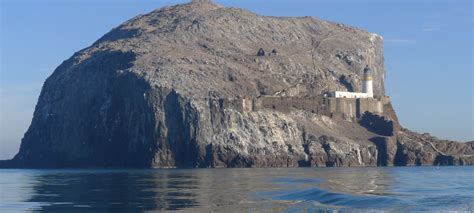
x: 147, y: 94
x: 423, y: 149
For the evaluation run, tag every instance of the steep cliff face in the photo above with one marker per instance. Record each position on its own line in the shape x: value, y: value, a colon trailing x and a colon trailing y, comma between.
x: 148, y: 94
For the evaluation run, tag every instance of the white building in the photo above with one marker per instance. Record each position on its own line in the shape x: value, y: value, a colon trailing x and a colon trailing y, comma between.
x: 343, y: 94
x: 367, y: 89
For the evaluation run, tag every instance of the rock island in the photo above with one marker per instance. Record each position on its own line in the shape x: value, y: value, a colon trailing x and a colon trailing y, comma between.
x: 201, y: 85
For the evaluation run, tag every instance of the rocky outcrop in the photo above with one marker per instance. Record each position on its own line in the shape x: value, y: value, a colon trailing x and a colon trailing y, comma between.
x: 149, y: 94
x: 415, y: 149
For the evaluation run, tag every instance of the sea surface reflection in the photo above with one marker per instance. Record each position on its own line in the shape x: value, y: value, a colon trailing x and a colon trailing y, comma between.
x: 236, y: 190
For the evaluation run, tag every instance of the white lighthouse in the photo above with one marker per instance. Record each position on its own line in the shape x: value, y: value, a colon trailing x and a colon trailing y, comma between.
x: 367, y: 83
x: 367, y: 88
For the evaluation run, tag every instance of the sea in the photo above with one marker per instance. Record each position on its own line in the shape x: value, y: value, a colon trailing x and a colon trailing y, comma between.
x: 367, y: 189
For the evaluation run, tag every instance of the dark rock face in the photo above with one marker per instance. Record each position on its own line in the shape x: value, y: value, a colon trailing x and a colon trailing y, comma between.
x: 415, y: 149
x: 149, y: 94
x: 82, y: 110
x: 377, y: 124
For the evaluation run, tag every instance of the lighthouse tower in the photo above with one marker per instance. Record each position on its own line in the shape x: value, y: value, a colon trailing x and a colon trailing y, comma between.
x: 367, y: 82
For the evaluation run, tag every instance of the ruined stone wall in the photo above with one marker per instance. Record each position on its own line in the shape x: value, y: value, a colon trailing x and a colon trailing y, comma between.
x: 345, y: 108
x: 248, y: 104
x: 236, y: 104
x: 282, y: 104
x: 286, y: 104
x: 384, y: 99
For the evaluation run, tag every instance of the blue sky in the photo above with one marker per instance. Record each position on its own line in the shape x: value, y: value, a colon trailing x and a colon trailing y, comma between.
x: 428, y: 52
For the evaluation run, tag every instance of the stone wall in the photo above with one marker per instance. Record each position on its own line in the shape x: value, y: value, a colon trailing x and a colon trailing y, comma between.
x: 236, y: 104
x: 368, y: 105
x: 286, y: 104
x: 345, y: 108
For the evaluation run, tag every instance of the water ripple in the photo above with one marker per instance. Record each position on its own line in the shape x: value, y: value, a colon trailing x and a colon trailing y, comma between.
x: 240, y: 190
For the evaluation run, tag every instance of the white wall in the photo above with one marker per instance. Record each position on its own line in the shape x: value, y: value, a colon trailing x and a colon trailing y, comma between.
x: 341, y: 94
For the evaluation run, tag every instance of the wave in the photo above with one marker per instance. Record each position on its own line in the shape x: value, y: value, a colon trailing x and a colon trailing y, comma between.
x: 314, y: 198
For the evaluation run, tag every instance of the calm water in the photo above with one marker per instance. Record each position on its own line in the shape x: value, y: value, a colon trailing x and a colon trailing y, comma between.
x: 237, y: 190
